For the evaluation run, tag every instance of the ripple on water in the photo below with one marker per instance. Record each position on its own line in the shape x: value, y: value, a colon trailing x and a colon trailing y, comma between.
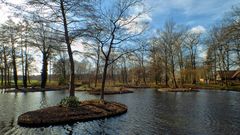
x: 149, y: 112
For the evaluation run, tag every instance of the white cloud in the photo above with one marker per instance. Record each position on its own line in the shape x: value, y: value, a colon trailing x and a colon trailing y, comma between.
x: 5, y: 10
x: 139, y: 19
x: 4, y: 13
x: 191, y: 7
x: 198, y: 29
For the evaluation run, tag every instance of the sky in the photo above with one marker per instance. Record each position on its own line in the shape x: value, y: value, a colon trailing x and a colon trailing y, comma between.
x: 198, y: 14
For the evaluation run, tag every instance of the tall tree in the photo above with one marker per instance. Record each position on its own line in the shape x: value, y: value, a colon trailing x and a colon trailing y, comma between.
x: 45, y: 41
x: 11, y: 36
x: 67, y: 15
x: 111, y: 27
x: 169, y: 36
x: 25, y: 30
x: 191, y: 42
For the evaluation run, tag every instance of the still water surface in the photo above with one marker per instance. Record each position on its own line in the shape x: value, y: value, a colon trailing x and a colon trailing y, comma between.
x: 149, y: 113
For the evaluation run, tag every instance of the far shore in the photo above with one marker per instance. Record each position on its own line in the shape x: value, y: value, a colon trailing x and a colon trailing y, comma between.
x: 107, y: 91
x: 122, y: 89
x: 12, y: 90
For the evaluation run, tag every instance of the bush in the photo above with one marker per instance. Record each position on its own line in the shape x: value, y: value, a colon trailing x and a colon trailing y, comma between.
x: 70, y: 102
x: 61, y: 81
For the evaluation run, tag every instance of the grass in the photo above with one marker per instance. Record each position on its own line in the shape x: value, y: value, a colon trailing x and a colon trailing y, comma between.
x: 33, y: 83
x: 233, y: 87
x: 54, y: 84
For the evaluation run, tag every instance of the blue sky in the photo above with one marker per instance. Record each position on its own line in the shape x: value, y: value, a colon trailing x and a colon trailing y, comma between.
x: 194, y: 13
x: 190, y: 12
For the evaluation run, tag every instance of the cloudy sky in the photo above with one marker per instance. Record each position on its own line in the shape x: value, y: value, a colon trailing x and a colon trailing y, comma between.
x: 200, y: 14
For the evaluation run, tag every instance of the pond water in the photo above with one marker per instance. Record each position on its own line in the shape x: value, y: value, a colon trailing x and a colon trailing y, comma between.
x: 149, y: 113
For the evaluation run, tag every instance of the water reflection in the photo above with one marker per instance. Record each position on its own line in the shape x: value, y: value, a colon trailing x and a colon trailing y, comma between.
x: 149, y: 112
x: 43, y: 100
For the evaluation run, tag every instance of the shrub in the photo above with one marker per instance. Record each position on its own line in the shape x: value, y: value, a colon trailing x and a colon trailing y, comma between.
x: 70, y: 102
x: 61, y: 81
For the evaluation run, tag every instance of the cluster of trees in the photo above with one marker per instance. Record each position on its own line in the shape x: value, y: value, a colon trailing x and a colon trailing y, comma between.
x: 174, y: 54
x: 179, y: 55
x: 15, y: 53
x: 223, y: 43
x: 52, y: 26
x: 116, y: 49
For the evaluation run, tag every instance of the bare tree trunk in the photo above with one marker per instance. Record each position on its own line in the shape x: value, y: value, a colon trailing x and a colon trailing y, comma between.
x: 194, y: 70
x: 26, y: 73
x: 181, y: 68
x: 15, y: 77
x: 173, y: 74
x: 28, y: 77
x: 104, y: 78
x: 215, y: 68
x: 96, y: 75
x: 166, y: 72
x: 227, y: 58
x: 155, y: 68
x: 2, y: 76
x: 64, y: 70
x: 50, y: 71
x: 8, y: 76
x: 22, y: 64
x: 72, y: 75
x: 97, y: 66
x: 44, y: 71
x: 5, y: 66
x: 125, y: 73
x: 122, y: 74
x: 112, y: 75
x: 144, y: 70
x: 25, y: 70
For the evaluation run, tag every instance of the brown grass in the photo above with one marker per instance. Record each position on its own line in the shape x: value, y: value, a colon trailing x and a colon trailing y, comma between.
x: 87, y: 110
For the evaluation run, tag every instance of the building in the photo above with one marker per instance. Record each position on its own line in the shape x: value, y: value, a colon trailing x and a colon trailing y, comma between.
x: 228, y: 75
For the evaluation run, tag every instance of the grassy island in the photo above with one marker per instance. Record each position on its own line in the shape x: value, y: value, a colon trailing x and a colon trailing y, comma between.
x: 177, y: 90
x: 111, y: 90
x: 85, y: 111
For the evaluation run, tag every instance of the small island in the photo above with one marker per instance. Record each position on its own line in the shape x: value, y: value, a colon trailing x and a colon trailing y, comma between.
x: 111, y: 91
x: 85, y: 111
x: 177, y: 90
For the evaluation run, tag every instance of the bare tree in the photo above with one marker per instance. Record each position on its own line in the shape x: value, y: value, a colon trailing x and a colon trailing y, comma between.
x: 169, y: 36
x: 111, y: 28
x: 68, y: 17
x: 45, y: 39
x: 11, y: 30
x: 94, y: 53
x: 191, y: 42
